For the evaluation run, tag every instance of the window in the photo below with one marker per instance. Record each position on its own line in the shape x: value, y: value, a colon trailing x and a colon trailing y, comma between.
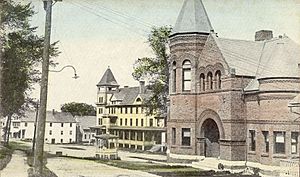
x: 84, y: 136
x: 173, y: 136
x: 70, y: 124
x: 130, y: 122
x: 125, y: 122
x: 121, y: 110
x: 50, y: 132
x: 174, y: 77
x: 100, y: 99
x: 62, y: 125
x: 126, y: 110
x: 266, y: 141
x: 210, y: 80
x: 186, y: 137
x: 252, y: 140
x: 202, y: 82
x: 61, y: 132
x: 151, y: 122
x: 294, y: 142
x: 218, y: 79
x: 121, y: 121
x: 136, y: 122
x: 25, y: 124
x: 186, y: 76
x: 279, y: 142
x: 126, y: 135
x: 100, y: 111
x: 131, y: 110
x: 142, y: 122
x: 136, y: 110
x: 50, y: 124
x: 71, y: 132
x: 61, y: 140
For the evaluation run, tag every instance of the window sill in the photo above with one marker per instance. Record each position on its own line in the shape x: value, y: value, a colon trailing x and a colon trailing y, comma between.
x: 252, y: 152
x: 279, y: 156
x: 186, y: 147
x: 264, y: 155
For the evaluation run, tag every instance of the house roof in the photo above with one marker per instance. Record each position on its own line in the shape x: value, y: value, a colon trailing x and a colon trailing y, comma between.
x: 192, y: 18
x: 128, y: 95
x: 86, y: 122
x: 108, y: 79
x: 58, y: 117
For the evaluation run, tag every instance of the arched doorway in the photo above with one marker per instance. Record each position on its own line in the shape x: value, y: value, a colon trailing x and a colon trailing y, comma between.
x: 211, y: 134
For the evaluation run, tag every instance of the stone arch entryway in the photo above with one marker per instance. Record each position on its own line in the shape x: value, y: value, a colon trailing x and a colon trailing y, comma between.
x: 209, y: 133
x: 211, y: 136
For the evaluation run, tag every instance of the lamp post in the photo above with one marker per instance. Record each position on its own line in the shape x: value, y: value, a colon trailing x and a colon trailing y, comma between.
x: 67, y: 66
x: 36, y: 104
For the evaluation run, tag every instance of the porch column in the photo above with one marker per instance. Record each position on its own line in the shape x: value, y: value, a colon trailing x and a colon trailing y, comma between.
x: 143, y: 139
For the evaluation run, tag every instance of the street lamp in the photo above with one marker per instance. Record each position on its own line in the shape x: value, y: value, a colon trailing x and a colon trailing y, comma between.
x: 67, y: 66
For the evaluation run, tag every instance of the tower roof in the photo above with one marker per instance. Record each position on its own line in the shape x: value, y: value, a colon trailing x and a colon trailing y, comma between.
x: 192, y: 18
x: 108, y: 79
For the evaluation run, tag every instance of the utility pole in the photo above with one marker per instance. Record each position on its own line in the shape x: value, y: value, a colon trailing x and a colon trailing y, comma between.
x: 1, y: 67
x: 39, y: 150
x: 35, y: 122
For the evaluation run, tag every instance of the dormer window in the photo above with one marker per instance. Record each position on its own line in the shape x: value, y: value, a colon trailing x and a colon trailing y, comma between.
x: 186, y: 76
x: 138, y: 100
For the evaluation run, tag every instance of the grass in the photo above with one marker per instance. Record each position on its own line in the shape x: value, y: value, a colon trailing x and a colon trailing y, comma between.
x: 150, y: 167
x: 4, y: 152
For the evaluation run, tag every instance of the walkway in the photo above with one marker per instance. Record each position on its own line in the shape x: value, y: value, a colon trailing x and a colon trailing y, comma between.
x: 66, y: 167
x: 17, y: 167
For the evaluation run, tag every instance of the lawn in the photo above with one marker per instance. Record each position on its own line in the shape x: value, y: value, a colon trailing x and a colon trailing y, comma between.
x: 167, y: 170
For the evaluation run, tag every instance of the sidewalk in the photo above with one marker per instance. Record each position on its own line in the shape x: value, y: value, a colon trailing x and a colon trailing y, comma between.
x: 17, y: 167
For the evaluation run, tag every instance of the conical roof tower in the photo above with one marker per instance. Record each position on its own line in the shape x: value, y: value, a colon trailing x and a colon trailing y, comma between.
x: 108, y: 79
x: 192, y: 19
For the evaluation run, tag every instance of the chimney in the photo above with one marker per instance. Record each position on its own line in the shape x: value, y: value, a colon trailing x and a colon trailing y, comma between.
x: 142, y: 86
x: 263, y: 35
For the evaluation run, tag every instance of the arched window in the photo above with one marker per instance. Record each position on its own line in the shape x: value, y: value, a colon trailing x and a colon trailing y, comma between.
x: 174, y: 77
x: 218, y: 79
x: 186, y: 76
x: 210, y: 80
x: 202, y: 82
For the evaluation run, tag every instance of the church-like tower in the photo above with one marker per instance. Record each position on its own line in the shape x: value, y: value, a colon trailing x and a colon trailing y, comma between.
x: 106, y: 87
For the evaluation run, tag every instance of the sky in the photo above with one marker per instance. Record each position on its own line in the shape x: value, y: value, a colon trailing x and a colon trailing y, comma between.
x: 95, y: 34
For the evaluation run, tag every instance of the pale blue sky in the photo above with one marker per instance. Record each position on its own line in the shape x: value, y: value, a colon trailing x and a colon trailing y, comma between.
x: 94, y: 34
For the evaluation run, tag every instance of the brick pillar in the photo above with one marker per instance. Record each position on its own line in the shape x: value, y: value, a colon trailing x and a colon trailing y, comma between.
x: 288, y: 147
x: 271, y: 143
x: 143, y: 138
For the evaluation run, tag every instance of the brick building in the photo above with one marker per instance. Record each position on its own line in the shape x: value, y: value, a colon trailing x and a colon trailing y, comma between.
x: 230, y: 98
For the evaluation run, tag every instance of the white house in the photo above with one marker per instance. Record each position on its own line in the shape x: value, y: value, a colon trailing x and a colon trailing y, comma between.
x: 60, y: 127
x: 84, y: 133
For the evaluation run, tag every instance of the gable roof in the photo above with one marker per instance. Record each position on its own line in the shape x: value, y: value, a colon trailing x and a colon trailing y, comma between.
x: 86, y: 121
x: 57, y: 117
x: 192, y: 18
x: 128, y: 95
x: 278, y: 57
x: 108, y: 79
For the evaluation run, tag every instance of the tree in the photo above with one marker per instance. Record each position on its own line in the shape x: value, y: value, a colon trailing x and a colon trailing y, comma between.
x: 79, y: 109
x: 156, y: 70
x: 22, y: 54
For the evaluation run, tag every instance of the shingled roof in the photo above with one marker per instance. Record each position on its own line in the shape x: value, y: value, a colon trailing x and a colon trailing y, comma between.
x: 192, y: 18
x: 128, y: 95
x: 278, y: 57
x: 108, y: 79
x: 55, y: 117
x: 86, y: 122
